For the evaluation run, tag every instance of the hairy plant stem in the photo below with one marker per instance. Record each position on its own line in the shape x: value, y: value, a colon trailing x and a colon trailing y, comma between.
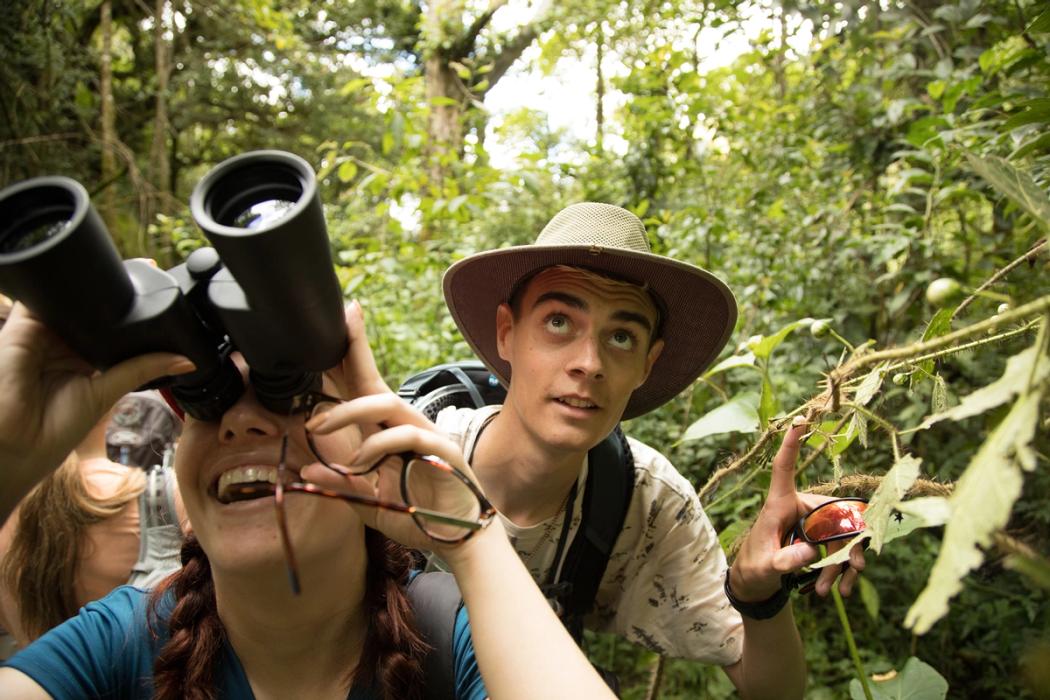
x: 1032, y: 253
x: 850, y: 641
x: 840, y: 374
x: 952, y: 350
x: 908, y: 354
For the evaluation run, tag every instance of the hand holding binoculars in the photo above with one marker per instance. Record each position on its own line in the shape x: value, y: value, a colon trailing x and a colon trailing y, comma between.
x: 266, y: 288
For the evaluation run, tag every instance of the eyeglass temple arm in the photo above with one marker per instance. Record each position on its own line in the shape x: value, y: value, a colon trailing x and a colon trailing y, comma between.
x: 400, y: 507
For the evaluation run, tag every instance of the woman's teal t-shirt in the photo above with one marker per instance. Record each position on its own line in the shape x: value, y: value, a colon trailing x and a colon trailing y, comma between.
x: 107, y: 650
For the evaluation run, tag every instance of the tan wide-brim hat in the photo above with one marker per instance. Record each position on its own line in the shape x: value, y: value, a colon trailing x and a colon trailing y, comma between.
x: 697, y: 309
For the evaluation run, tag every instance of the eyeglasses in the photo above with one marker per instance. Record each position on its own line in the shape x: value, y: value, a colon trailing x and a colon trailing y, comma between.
x: 443, y: 502
x: 838, y: 519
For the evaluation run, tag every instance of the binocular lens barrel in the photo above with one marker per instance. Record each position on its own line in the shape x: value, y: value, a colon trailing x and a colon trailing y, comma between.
x: 278, y: 297
x: 57, y: 257
x: 268, y: 288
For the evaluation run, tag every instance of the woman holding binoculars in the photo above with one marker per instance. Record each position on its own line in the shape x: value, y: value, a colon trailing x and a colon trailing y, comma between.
x: 228, y: 624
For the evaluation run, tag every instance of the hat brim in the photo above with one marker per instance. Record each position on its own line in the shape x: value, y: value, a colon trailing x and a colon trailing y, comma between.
x: 698, y: 316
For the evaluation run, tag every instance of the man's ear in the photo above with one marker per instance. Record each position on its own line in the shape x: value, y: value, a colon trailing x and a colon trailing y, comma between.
x: 504, y: 329
x: 650, y: 359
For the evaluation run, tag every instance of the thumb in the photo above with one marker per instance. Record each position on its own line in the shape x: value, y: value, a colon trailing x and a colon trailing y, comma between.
x: 137, y: 371
x: 794, y: 557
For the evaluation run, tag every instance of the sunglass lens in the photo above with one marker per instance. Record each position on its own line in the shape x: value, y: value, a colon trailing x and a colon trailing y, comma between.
x: 432, y: 485
x: 835, y: 520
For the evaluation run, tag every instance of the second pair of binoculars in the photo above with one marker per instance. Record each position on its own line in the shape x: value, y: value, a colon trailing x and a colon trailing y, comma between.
x: 267, y: 287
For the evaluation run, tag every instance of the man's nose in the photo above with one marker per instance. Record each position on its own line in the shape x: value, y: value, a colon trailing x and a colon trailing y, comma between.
x: 587, y: 359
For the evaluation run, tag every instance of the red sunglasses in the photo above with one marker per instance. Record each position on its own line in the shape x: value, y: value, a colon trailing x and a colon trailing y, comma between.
x: 839, y: 519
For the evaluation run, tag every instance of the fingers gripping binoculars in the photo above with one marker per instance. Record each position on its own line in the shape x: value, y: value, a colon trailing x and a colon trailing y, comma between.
x: 267, y: 287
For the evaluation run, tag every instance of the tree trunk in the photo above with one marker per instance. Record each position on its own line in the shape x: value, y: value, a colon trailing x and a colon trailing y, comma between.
x: 108, y: 116
x: 159, y: 165
x: 600, y: 89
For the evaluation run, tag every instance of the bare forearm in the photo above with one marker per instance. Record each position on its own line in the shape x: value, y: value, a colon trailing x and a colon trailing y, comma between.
x: 522, y: 648
x: 773, y: 664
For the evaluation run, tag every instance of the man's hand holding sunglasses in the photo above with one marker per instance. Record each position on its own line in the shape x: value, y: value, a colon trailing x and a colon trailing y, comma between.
x: 780, y: 543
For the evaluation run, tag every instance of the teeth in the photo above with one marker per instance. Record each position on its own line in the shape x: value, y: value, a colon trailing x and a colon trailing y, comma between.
x: 246, y: 475
x: 578, y: 403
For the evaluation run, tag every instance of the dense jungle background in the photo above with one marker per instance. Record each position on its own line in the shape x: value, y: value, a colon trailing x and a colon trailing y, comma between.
x: 869, y: 177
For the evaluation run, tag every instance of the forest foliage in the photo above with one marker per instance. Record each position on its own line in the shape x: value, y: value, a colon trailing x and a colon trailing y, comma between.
x: 870, y: 178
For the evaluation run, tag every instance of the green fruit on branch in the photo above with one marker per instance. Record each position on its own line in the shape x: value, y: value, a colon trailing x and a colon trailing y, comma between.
x: 943, y: 291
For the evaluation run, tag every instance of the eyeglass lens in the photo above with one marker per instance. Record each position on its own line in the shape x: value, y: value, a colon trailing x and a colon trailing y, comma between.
x: 432, y: 485
x: 834, y: 520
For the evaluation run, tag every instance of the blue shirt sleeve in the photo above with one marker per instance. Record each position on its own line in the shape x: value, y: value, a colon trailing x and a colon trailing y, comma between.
x: 469, y: 684
x: 104, y: 651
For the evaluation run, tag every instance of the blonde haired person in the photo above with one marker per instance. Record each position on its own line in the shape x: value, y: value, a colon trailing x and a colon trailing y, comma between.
x: 88, y: 527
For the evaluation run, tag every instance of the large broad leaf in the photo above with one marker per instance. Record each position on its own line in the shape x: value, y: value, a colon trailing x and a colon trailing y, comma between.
x: 917, y: 681
x: 891, y: 490
x: 980, y: 506
x: 928, y: 511
x: 883, y: 525
x: 1015, y: 184
x: 739, y: 415
x: 1029, y: 367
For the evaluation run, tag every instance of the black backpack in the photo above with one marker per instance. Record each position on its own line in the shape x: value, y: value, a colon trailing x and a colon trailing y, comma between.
x: 610, y: 483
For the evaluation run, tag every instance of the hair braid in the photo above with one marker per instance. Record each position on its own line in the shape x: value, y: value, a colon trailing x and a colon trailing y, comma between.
x: 392, y: 659
x: 185, y: 665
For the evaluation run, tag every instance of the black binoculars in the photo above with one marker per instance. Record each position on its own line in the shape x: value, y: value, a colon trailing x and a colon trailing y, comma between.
x: 266, y: 289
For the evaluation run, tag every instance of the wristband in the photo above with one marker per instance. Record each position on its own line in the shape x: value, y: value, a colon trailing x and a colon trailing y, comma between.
x: 762, y: 609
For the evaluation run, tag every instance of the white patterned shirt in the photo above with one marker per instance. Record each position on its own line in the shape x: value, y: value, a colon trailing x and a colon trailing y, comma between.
x: 663, y: 587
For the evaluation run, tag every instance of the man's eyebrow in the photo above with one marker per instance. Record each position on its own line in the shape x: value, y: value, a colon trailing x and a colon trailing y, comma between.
x: 567, y: 299
x: 631, y: 316
x: 578, y: 303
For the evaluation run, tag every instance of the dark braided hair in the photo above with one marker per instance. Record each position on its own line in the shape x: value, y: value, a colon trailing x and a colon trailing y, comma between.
x: 185, y: 665
x: 391, y: 662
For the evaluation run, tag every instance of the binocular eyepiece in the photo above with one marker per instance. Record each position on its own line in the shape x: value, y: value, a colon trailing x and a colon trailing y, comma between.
x: 267, y: 287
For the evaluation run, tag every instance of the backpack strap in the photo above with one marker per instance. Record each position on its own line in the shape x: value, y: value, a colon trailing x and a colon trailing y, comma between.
x: 610, y: 485
x: 436, y: 601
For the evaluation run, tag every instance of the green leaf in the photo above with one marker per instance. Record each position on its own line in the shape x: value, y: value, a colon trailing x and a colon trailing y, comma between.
x: 939, y: 396
x: 869, y: 595
x: 928, y: 511
x: 870, y: 386
x: 352, y: 86
x: 1027, y: 368
x: 839, y: 442
x: 917, y: 681
x: 940, y: 324
x: 891, y: 490
x: 1034, y: 111
x: 980, y: 505
x: 739, y: 415
x: 731, y: 362
x: 1040, y: 24
x: 347, y: 171
x: 1040, y: 142
x: 1015, y: 184
x: 764, y: 348
x: 843, y: 554
x: 858, y: 426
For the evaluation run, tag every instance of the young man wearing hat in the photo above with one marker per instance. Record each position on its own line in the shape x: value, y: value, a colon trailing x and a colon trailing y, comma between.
x: 586, y: 327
